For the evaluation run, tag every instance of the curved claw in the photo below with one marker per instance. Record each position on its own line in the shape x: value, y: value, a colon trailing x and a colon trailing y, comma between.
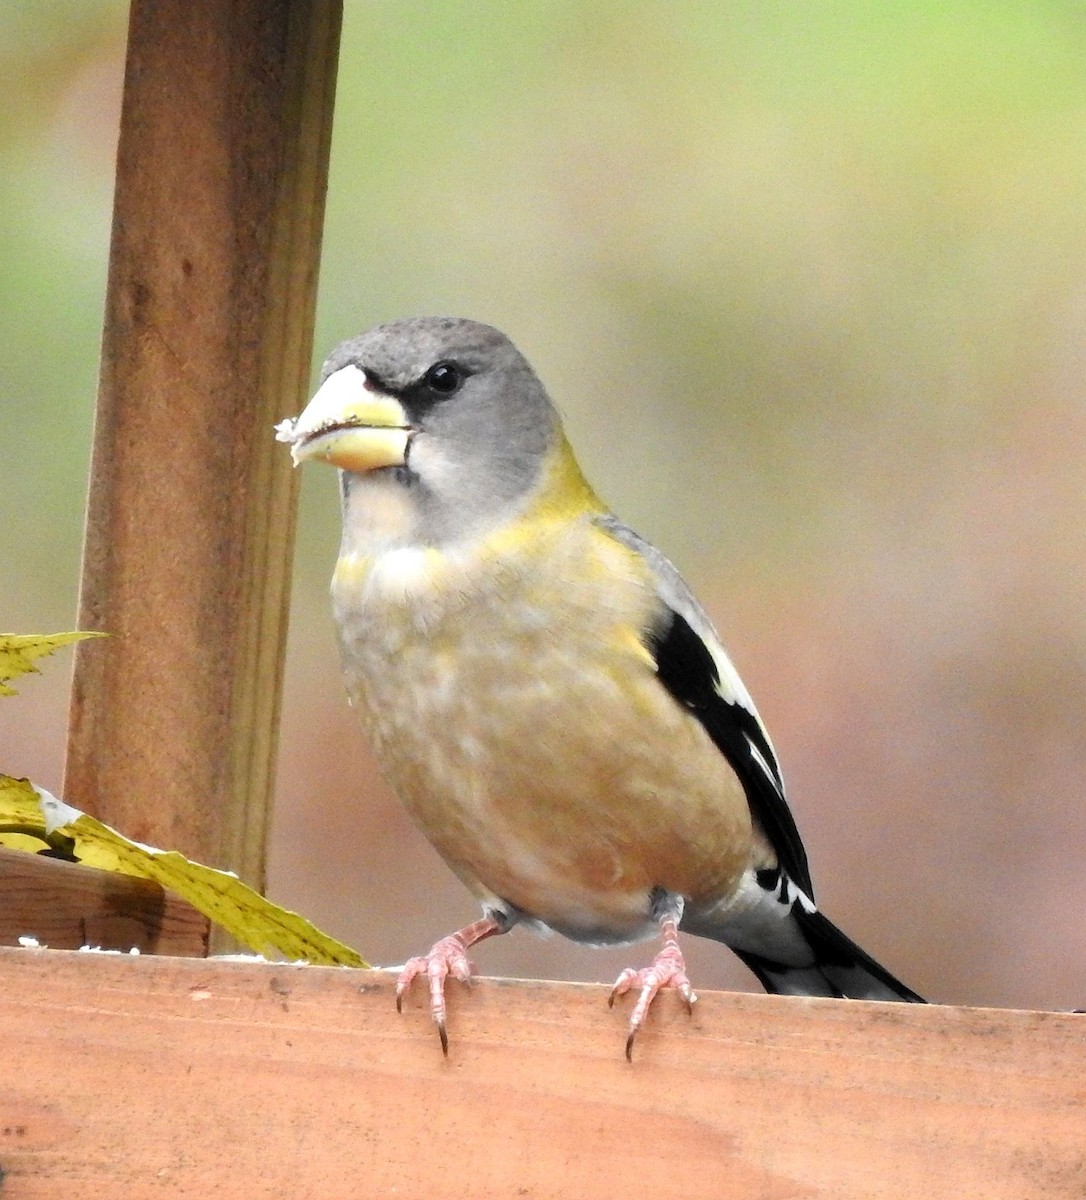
x: 668, y: 970
x: 446, y: 957
x: 623, y: 983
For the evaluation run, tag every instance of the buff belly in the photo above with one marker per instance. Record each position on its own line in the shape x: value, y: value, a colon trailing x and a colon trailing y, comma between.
x: 542, y: 758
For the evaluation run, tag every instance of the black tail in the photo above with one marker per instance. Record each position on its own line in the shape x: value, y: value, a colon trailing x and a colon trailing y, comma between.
x: 838, y: 967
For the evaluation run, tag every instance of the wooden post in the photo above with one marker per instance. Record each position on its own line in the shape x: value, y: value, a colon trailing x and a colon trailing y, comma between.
x: 221, y: 176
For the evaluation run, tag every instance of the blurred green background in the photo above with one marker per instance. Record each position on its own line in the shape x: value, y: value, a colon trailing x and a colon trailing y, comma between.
x: 809, y: 284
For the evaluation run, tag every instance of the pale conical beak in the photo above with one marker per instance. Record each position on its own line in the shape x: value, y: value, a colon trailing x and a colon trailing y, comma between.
x: 350, y: 425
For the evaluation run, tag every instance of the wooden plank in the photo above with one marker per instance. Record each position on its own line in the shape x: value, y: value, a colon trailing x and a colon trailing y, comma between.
x: 179, y: 1077
x: 67, y: 905
x: 221, y: 175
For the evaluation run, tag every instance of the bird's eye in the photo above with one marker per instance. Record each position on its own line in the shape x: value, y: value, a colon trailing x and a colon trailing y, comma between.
x: 444, y: 378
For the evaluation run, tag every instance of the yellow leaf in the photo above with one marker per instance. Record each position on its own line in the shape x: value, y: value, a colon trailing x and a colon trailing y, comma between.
x: 231, y: 904
x: 18, y: 651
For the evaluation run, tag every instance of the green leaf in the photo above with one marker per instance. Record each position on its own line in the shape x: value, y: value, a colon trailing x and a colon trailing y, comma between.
x: 18, y: 652
x: 30, y: 812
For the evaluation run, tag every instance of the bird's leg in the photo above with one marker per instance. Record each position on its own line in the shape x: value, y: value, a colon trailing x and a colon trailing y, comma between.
x: 668, y: 968
x: 449, y: 956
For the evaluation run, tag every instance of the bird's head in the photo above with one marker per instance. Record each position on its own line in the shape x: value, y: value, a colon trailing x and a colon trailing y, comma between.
x: 444, y: 411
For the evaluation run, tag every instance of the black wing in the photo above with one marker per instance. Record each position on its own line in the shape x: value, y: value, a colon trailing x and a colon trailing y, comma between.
x: 686, y: 668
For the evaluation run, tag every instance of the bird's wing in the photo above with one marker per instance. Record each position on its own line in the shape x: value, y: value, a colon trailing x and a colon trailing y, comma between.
x: 772, y: 922
x: 693, y: 666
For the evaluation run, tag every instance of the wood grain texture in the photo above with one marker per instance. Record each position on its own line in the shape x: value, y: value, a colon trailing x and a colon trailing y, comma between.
x: 67, y: 905
x: 221, y: 176
x: 178, y: 1077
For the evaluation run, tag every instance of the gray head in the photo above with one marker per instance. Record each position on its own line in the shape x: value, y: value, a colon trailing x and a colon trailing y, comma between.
x: 439, y: 415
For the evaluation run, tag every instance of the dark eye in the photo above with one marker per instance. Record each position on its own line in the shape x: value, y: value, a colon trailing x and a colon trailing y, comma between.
x: 444, y: 378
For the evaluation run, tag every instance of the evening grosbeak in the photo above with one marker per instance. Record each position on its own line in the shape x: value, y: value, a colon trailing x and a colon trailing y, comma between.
x: 540, y: 687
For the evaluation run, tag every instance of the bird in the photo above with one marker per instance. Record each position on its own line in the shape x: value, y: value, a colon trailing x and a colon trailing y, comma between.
x: 542, y: 690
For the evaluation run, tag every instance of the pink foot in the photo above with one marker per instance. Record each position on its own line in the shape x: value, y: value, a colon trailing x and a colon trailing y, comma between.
x: 446, y: 957
x: 668, y: 970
